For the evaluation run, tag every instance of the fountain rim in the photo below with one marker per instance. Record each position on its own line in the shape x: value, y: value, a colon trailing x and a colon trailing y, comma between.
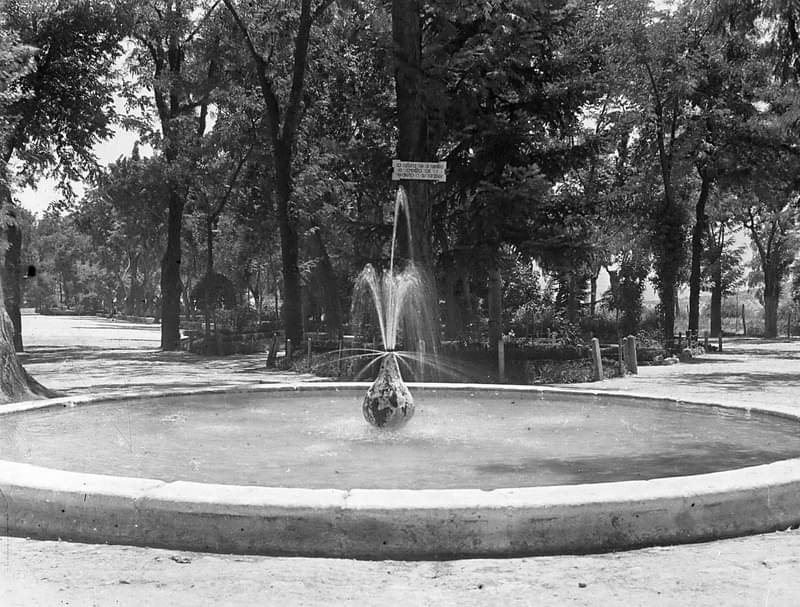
x: 417, y: 523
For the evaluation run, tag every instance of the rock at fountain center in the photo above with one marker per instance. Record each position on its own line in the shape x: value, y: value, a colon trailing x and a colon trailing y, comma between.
x: 388, y: 402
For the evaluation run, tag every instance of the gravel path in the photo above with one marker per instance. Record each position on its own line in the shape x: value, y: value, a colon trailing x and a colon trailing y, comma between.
x: 78, y: 355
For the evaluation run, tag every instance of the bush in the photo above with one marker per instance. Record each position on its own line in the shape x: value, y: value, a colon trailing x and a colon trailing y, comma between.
x: 603, y: 326
x: 567, y: 372
x: 89, y: 304
x: 651, y: 322
x: 537, y: 320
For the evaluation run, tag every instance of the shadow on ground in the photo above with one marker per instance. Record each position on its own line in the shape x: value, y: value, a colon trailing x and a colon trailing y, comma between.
x: 764, y: 353
x: 709, y: 359
x: 53, y: 354
x: 712, y: 456
x: 73, y: 370
x: 46, y: 355
x: 739, y: 382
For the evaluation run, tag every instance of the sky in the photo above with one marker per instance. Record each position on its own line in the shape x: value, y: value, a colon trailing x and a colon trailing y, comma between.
x: 120, y: 144
x: 37, y: 200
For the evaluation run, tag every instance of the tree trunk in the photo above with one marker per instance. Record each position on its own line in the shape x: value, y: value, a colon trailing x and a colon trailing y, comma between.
x: 329, y: 281
x: 208, y: 303
x: 292, y: 301
x: 412, y: 123
x: 668, y: 264
x: 716, y: 301
x: 209, y: 246
x: 171, y: 287
x: 593, y: 291
x: 133, y: 291
x: 699, y: 230
x: 468, y: 305
x: 667, y: 297
x: 455, y: 320
x: 668, y: 231
x: 15, y: 383
x: 143, y: 308
x: 12, y: 278
x: 771, y: 297
x: 572, y: 298
x: 414, y: 241
x: 495, y: 302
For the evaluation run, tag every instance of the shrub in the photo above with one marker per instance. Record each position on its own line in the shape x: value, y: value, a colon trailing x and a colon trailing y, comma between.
x: 567, y: 372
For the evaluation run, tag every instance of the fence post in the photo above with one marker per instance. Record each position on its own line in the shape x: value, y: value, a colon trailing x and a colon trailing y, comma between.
x: 631, y: 361
x: 339, y: 362
x: 289, y: 350
x: 597, y: 362
x: 421, y: 365
x: 744, y: 323
x: 705, y: 340
x: 501, y: 359
x: 273, y: 351
x: 309, y: 353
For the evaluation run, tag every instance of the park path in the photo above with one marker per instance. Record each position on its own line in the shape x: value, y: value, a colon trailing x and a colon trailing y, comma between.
x: 748, y: 371
x: 88, y: 354
x: 80, y: 355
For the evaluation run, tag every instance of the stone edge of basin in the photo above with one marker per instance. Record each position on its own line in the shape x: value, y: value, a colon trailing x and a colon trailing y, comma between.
x: 44, y: 503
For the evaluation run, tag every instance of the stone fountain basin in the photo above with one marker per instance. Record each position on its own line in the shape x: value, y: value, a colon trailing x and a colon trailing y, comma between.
x: 45, y: 503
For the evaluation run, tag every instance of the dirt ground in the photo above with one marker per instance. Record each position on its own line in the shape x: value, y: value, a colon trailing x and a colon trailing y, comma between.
x: 78, y: 355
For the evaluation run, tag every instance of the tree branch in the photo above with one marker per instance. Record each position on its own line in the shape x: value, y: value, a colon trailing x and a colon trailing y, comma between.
x: 157, y: 10
x: 273, y: 111
x: 158, y: 70
x: 307, y: 19
x: 662, y: 152
x: 323, y: 6
x: 755, y: 236
x: 200, y: 23
x: 231, y: 183
x: 298, y: 72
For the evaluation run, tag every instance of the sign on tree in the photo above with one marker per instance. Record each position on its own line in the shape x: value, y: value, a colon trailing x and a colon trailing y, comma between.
x: 423, y: 171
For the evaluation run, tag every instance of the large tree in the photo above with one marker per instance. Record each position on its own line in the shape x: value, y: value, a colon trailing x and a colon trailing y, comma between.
x: 415, y: 141
x: 503, y: 91
x: 763, y: 184
x: 667, y: 67
x: 178, y: 60
x: 15, y: 383
x: 729, y: 74
x: 774, y: 234
x: 278, y: 40
x: 63, y: 104
x: 722, y: 270
x: 124, y: 216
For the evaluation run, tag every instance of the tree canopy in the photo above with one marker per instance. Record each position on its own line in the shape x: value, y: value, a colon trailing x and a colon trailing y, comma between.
x: 620, y: 142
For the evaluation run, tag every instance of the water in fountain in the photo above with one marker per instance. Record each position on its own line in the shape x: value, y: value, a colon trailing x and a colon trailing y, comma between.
x: 399, y: 302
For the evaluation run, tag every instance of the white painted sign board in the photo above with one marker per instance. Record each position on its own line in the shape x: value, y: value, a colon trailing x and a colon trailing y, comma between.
x: 424, y: 171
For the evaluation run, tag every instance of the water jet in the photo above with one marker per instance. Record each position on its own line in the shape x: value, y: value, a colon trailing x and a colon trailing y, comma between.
x: 400, y: 300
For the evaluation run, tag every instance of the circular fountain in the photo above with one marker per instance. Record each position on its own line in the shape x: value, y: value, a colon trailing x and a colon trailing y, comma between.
x: 483, y: 471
